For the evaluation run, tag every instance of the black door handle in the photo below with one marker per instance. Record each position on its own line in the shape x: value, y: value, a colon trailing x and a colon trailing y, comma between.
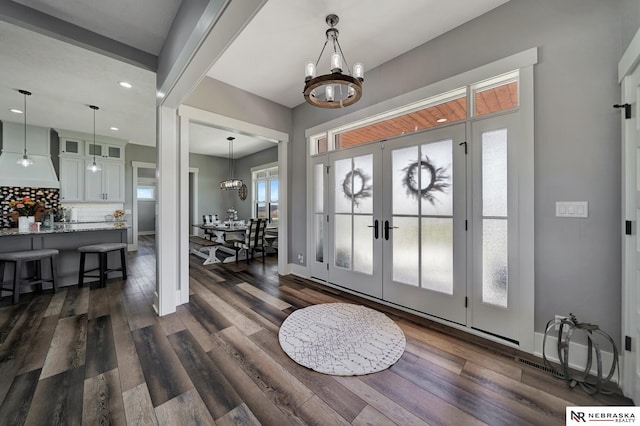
x: 387, y: 228
x: 376, y: 234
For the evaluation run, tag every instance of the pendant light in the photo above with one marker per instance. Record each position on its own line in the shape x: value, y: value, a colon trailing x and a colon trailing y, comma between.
x: 94, y: 167
x: 231, y: 183
x: 25, y: 161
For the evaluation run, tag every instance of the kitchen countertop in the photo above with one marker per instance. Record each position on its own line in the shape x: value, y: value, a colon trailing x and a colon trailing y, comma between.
x: 68, y: 227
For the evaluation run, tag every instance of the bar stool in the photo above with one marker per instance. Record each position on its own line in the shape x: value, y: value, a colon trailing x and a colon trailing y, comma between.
x: 102, y: 250
x: 19, y: 258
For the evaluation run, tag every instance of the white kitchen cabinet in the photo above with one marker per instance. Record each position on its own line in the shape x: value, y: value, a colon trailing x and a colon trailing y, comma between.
x: 70, y: 147
x: 72, y: 171
x: 105, y: 150
x: 106, y: 184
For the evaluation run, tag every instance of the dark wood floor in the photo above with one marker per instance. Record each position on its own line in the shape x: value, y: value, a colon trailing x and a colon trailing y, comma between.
x: 101, y: 356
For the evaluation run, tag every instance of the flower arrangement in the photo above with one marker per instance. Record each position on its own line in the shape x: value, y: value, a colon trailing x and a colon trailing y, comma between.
x: 118, y: 214
x: 25, y: 206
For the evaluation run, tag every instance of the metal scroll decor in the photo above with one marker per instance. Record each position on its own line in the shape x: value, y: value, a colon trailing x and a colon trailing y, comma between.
x: 434, y: 180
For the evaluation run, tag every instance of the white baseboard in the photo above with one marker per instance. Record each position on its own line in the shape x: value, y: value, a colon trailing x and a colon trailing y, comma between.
x: 578, y: 355
x: 146, y: 232
x: 298, y: 270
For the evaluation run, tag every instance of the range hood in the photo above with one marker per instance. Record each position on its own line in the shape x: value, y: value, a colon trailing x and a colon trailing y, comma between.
x: 41, y: 173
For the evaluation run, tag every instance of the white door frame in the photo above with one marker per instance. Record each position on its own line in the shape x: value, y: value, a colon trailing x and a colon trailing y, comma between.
x: 628, y: 78
x: 134, y: 202
x: 188, y: 113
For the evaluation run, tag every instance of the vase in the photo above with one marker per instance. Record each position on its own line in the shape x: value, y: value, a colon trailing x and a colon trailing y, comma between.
x: 23, y: 224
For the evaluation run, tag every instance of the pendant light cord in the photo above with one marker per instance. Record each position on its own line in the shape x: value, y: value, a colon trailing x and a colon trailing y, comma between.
x: 25, y: 123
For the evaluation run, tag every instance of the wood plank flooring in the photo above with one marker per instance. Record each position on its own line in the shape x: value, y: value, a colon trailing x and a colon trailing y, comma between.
x: 101, y: 356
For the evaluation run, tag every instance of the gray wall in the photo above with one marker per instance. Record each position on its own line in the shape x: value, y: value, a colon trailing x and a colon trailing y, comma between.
x: 243, y: 171
x: 212, y: 200
x: 147, y: 216
x: 577, y: 139
x: 215, y: 96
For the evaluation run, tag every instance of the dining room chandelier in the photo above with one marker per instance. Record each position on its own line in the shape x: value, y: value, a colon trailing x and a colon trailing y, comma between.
x: 25, y: 160
x: 336, y: 89
x: 231, y: 183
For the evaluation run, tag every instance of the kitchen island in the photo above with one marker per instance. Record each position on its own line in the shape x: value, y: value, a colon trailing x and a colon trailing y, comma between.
x: 65, y: 237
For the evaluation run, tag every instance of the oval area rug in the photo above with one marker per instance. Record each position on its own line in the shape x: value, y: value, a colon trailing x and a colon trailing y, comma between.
x: 342, y: 339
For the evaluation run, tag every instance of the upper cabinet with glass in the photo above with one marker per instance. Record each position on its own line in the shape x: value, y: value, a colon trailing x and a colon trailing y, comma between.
x: 71, y: 147
x: 83, y: 145
x: 105, y: 150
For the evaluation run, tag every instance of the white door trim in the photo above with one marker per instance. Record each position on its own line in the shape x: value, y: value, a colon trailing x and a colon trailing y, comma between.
x: 228, y: 123
x: 134, y: 202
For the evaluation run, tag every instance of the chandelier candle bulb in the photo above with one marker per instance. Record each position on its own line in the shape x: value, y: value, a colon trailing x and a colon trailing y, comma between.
x: 358, y: 71
x: 336, y: 62
x: 309, y: 71
x: 329, y: 94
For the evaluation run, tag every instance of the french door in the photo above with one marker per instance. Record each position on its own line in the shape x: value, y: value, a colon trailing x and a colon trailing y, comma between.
x: 428, y: 221
x: 354, y: 228
x: 424, y: 222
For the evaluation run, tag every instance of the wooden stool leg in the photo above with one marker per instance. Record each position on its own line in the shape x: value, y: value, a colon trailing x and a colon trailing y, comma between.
x: 103, y: 269
x: 38, y: 266
x: 2, y: 263
x: 54, y: 272
x: 123, y: 263
x: 81, y: 273
x: 16, y: 281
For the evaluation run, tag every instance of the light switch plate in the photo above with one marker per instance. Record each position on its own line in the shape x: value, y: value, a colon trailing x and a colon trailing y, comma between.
x: 572, y: 209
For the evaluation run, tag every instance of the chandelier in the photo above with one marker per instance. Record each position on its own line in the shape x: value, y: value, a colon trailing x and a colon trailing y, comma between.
x: 231, y: 183
x: 333, y: 90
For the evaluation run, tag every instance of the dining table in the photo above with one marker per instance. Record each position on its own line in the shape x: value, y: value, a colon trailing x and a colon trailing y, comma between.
x: 224, y: 233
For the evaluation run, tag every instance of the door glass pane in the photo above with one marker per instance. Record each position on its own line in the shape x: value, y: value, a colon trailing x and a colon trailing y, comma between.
x: 405, y: 181
x: 319, y: 188
x: 273, y: 191
x: 436, y: 178
x: 494, y: 173
x: 362, y: 184
x: 406, y: 253
x: 343, y: 241
x: 319, y: 239
x: 494, y: 262
x: 343, y: 177
x: 437, y: 254
x: 363, y: 243
x: 261, y: 191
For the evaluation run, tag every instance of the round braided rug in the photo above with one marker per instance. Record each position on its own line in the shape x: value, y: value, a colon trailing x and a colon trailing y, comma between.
x: 342, y: 339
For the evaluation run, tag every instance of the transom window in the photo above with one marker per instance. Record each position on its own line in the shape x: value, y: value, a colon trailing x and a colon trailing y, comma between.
x: 490, y: 96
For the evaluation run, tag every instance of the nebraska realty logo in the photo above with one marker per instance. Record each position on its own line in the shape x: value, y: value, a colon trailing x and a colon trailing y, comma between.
x: 581, y: 415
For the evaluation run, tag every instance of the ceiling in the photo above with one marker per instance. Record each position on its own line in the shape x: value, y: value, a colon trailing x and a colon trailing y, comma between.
x: 66, y: 78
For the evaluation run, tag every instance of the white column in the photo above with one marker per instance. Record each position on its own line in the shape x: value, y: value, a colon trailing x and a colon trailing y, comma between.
x: 183, y: 292
x: 168, y: 237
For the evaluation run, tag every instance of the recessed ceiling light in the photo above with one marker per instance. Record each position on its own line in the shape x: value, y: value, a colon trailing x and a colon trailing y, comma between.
x: 126, y: 85
x: 115, y: 129
x: 17, y: 111
x: 441, y: 120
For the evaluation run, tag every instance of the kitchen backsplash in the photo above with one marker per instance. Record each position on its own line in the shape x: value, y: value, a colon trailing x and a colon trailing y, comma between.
x: 49, y: 197
x: 93, y: 212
